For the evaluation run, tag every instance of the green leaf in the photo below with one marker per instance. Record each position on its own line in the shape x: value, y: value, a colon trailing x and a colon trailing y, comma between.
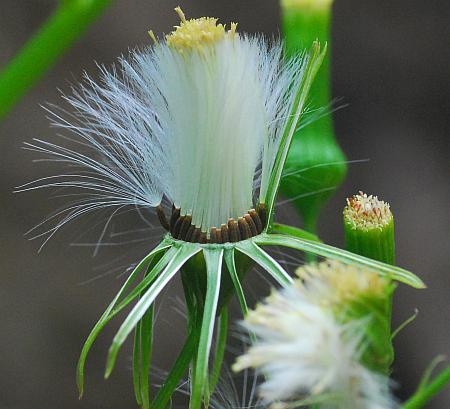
x: 184, y: 252
x: 314, y: 60
x: 142, y: 265
x: 324, y: 250
x: 142, y: 352
x: 137, y: 364
x: 231, y: 266
x: 213, y: 258
x: 146, y: 282
x: 266, y: 261
x: 146, y: 341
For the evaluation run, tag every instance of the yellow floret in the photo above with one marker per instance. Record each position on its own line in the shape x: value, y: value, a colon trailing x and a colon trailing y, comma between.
x: 195, y: 34
x: 342, y: 282
x: 365, y: 212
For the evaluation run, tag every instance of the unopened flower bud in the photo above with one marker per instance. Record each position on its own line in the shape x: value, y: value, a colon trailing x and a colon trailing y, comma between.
x: 369, y: 228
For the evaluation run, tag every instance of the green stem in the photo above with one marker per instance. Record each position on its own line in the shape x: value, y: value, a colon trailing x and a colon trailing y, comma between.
x: 377, y: 243
x: 426, y: 393
x: 179, y: 368
x: 316, y: 166
x: 220, y: 351
x: 57, y: 34
x: 188, y: 352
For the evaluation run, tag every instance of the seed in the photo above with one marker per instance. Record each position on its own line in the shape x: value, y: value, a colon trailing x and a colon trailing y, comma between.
x: 251, y: 224
x: 177, y: 227
x: 224, y: 232
x: 190, y: 233
x: 203, y: 239
x: 196, y: 235
x: 244, y: 229
x: 233, y: 230
x: 256, y: 219
x: 262, y: 213
x: 185, y: 227
x: 213, y: 235
x: 162, y: 217
x: 174, y: 217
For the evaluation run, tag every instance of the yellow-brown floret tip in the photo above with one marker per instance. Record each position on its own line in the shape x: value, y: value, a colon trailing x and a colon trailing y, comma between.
x: 196, y: 34
x: 343, y: 282
x: 365, y: 212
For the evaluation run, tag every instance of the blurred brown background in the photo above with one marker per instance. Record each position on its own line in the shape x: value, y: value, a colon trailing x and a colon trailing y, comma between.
x: 390, y: 63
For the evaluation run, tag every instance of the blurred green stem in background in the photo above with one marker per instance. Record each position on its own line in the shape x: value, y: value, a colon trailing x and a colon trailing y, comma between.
x: 57, y: 34
x: 428, y: 390
x: 316, y: 165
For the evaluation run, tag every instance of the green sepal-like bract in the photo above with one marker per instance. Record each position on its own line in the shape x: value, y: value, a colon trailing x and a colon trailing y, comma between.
x: 374, y: 313
x: 203, y: 293
x: 377, y: 243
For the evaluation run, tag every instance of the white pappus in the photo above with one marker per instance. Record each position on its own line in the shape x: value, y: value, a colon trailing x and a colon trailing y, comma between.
x: 308, y: 356
x: 195, y: 119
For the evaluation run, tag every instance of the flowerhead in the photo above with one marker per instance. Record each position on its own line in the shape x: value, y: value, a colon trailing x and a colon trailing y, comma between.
x: 308, y: 352
x: 334, y: 284
x: 195, y: 121
x: 367, y: 212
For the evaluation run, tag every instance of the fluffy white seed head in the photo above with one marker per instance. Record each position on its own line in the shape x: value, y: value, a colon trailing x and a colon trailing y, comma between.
x: 196, y: 119
x: 306, y: 353
x: 333, y: 283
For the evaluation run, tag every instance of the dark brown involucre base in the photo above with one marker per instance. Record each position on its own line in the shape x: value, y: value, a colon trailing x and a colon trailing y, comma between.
x: 181, y: 227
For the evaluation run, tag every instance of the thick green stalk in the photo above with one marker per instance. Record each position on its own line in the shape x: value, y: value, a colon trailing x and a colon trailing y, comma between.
x: 315, y: 165
x: 426, y: 393
x: 369, y: 232
x: 57, y: 34
x: 369, y: 228
x: 377, y: 244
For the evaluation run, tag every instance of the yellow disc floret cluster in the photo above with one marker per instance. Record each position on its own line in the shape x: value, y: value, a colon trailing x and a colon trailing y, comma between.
x: 196, y: 34
x: 367, y: 212
x: 334, y: 282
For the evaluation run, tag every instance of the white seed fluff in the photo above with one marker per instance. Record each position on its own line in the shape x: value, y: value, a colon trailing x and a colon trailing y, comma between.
x: 200, y: 128
x: 306, y: 353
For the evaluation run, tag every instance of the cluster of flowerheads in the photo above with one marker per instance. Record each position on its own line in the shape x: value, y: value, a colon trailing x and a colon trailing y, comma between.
x: 314, y: 336
x: 202, y: 121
